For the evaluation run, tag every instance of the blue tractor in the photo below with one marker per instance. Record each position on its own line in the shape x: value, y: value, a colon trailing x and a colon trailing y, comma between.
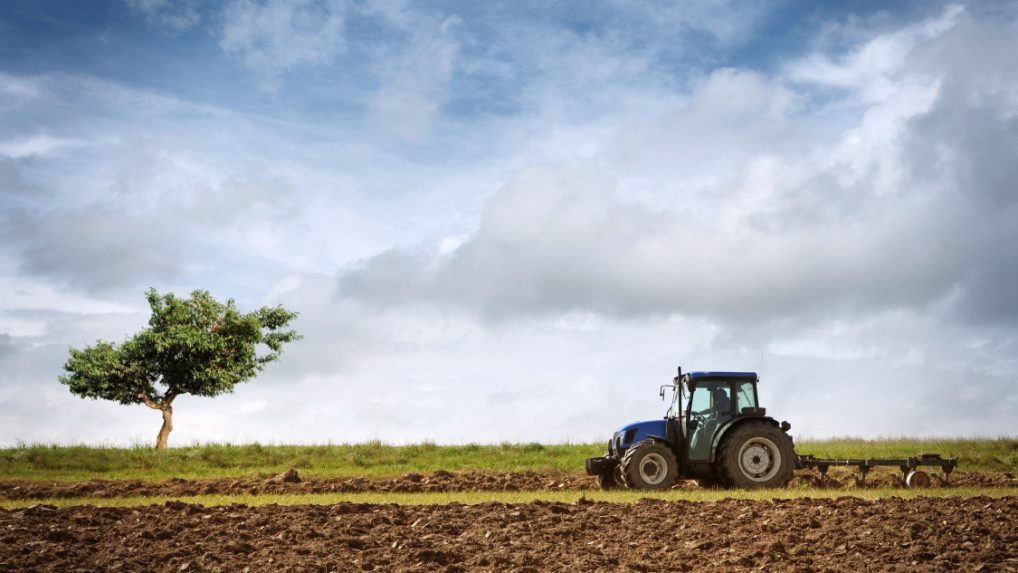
x: 714, y: 432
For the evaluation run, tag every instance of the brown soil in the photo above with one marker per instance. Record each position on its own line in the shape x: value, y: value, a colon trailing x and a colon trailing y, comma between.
x: 844, y: 534
x: 440, y: 481
x: 292, y: 483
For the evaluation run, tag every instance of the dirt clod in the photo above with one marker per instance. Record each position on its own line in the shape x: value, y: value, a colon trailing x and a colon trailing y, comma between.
x: 289, y: 476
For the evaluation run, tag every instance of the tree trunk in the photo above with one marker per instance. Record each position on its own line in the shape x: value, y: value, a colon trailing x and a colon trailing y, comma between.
x: 164, y: 432
x: 166, y: 407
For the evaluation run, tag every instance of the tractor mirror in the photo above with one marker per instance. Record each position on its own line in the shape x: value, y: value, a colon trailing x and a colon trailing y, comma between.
x: 664, y: 387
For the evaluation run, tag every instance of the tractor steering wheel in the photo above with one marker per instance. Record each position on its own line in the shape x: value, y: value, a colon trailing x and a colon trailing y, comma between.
x: 700, y: 417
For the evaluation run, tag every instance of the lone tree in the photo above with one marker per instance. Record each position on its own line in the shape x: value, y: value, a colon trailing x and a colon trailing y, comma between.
x: 196, y: 346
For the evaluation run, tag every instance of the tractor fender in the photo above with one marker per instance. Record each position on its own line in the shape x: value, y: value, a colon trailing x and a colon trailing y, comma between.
x: 671, y: 444
x: 734, y: 423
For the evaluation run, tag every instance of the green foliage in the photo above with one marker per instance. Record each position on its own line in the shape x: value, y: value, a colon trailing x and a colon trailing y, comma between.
x: 381, y: 460
x: 196, y: 346
x: 109, y: 372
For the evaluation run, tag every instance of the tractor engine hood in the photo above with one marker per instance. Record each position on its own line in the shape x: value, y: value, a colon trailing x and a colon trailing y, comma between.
x: 655, y: 427
x: 631, y: 433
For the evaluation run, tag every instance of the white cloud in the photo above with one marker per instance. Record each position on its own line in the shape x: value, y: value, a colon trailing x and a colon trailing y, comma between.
x: 37, y: 145
x: 104, y: 247
x: 20, y: 87
x: 272, y: 37
x: 25, y: 294
x: 821, y: 222
x: 874, y: 70
x: 177, y: 15
x: 287, y: 285
x: 727, y: 22
x: 415, y: 79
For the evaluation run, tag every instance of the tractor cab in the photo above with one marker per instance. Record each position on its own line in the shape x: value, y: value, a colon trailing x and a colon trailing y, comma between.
x: 706, y: 402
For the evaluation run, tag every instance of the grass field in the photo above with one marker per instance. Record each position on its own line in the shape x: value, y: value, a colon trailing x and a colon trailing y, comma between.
x: 41, y: 462
x: 696, y: 495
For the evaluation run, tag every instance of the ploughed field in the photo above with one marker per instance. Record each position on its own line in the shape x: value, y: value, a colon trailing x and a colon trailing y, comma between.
x: 843, y: 534
x: 531, y: 508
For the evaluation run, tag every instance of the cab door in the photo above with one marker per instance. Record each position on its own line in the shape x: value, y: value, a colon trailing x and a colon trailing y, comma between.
x: 710, y: 406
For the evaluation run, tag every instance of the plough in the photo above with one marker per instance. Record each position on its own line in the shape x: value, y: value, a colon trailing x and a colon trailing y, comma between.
x: 911, y: 476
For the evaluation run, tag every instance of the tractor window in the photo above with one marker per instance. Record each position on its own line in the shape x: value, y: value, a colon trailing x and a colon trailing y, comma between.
x: 701, y: 400
x: 712, y: 399
x: 721, y: 400
x: 746, y: 396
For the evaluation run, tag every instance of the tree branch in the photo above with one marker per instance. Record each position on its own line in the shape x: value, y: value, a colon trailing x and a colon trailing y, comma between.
x: 148, y: 401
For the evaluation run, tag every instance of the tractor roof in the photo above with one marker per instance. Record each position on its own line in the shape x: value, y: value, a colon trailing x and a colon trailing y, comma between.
x: 704, y: 375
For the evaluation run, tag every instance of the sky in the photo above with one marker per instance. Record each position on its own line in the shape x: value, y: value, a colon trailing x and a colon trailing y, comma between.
x: 512, y: 221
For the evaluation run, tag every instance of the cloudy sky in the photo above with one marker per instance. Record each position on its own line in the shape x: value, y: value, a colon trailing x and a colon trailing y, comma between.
x: 511, y: 221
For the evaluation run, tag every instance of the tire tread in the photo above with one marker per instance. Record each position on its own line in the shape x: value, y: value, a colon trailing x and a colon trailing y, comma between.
x: 727, y: 470
x: 635, y: 449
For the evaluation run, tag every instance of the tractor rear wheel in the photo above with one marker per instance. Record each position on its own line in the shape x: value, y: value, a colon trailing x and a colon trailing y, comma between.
x: 649, y: 464
x: 756, y: 455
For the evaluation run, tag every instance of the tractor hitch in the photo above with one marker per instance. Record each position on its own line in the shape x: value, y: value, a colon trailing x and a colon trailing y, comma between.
x: 597, y: 466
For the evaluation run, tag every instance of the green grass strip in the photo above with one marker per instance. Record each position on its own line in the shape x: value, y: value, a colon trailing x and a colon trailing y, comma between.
x: 372, y: 459
x: 513, y: 497
x: 376, y: 459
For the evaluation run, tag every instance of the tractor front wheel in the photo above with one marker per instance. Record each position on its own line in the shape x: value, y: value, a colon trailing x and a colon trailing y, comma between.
x: 756, y: 455
x: 649, y: 464
x: 611, y: 479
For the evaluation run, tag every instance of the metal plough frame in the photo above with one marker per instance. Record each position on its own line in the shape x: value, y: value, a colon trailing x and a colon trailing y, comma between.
x: 906, y: 465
